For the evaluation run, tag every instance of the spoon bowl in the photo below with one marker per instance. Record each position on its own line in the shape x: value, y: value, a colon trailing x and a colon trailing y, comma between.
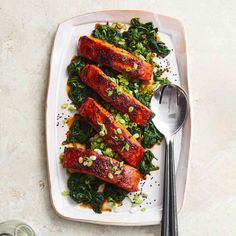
x: 171, y: 108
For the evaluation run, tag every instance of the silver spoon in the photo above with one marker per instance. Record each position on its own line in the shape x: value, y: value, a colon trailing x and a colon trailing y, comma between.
x: 171, y: 105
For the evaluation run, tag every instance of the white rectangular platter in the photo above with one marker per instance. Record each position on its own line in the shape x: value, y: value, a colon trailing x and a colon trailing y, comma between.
x: 68, y: 33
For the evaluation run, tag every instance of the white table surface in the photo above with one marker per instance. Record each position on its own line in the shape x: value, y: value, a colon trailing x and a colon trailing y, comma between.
x: 27, y: 29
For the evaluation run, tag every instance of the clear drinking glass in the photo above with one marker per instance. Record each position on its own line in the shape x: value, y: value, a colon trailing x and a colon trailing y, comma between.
x: 15, y: 228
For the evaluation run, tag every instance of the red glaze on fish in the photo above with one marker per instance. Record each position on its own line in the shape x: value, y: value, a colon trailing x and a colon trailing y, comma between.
x: 107, y: 54
x: 115, y: 135
x: 95, y: 78
x: 127, y: 179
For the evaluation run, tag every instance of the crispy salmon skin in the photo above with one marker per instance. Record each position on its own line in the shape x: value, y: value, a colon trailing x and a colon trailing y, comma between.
x: 102, y: 167
x: 94, y: 77
x: 114, y: 134
x: 107, y: 54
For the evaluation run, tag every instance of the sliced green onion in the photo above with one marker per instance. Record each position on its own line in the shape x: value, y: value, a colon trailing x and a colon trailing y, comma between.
x: 85, y: 163
x: 111, y: 160
x: 65, y: 193
x: 64, y: 105
x: 118, y: 172
x: 89, y: 163
x: 102, y: 133
x: 122, y: 121
x: 108, y: 151
x: 110, y: 175
x: 119, y: 131
x: 125, y: 147
x: 71, y: 108
x: 139, y: 201
x: 119, y: 90
x: 132, y: 69
x: 93, y: 157
x: 130, y: 109
x: 115, y: 138
x: 121, y: 42
x: 109, y: 92
x: 99, y: 140
x: 121, y: 164
x: 98, y: 151
x: 103, y: 130
x: 136, y: 136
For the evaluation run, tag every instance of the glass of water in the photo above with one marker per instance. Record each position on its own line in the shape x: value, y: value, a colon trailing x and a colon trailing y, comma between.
x: 15, y: 228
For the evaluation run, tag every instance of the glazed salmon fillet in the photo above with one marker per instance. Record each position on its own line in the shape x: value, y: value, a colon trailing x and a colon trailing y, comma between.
x: 94, y: 77
x: 120, y: 60
x: 112, y: 132
x: 102, y: 167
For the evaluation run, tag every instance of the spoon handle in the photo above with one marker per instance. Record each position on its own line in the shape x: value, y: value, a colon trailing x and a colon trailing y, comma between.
x: 173, y: 199
x: 169, y: 224
x: 165, y: 223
